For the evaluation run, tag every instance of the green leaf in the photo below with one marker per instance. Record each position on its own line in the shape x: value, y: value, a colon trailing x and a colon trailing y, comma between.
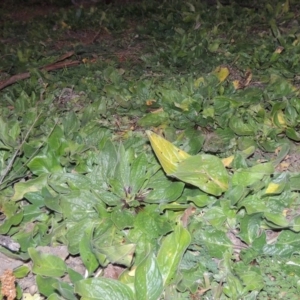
x: 286, y: 244
x: 32, y: 185
x: 162, y: 190
x: 122, y: 218
x: 138, y: 173
x: 12, y: 221
x: 47, y: 264
x: 171, y: 252
x: 242, y: 128
x: 52, y: 297
x: 45, y: 285
x: 233, y: 288
x: 47, y: 163
x: 216, y: 217
x: 65, y: 289
x: 216, y: 242
x: 252, y: 280
x: 150, y: 224
x: 295, y: 182
x: 120, y: 254
x: 153, y: 119
x: 250, y: 227
x: 253, y: 204
x: 21, y: 271
x: 293, y: 134
x: 76, y: 233
x: 103, y: 289
x: 86, y: 251
x: 74, y: 276
x: 148, y: 279
x: 207, y: 172
x: 278, y: 219
x: 247, y: 177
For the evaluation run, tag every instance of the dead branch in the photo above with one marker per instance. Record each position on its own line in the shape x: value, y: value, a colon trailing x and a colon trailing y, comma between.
x: 59, y: 64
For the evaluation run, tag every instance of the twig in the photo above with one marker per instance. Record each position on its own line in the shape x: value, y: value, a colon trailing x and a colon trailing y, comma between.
x: 8, y: 168
x: 34, y: 153
x: 55, y: 66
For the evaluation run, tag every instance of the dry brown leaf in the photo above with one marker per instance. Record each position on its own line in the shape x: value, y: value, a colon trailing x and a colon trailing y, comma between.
x: 8, y: 288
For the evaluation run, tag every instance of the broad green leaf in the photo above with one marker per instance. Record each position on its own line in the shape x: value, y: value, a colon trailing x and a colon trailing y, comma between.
x: 12, y: 221
x: 251, y: 276
x: 74, y: 276
x: 109, y: 198
x: 53, y: 296
x: 76, y: 232
x: 122, y: 218
x: 86, y: 252
x: 296, y: 224
x: 278, y: 219
x: 46, y: 163
x: 162, y: 190
x: 241, y: 128
x: 233, y: 288
x: 171, y: 252
x: 253, y: 204
x: 148, y: 279
x: 286, y: 244
x: 120, y: 254
x: 200, y: 200
x: 6, y: 133
x: 45, y: 285
x: 65, y: 290
x: 216, y: 242
x: 55, y: 139
x: 138, y: 173
x: 149, y: 224
x: 47, y: 264
x: 247, y: 177
x: 71, y: 123
x: 293, y: 134
x: 168, y: 155
x: 216, y: 217
x: 295, y: 182
x: 154, y: 119
x: 207, y: 172
x: 236, y: 194
x: 103, y: 289
x: 21, y: 271
x: 32, y: 185
x: 250, y: 227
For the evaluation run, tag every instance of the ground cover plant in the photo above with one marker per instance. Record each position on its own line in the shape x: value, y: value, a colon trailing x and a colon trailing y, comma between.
x: 149, y: 150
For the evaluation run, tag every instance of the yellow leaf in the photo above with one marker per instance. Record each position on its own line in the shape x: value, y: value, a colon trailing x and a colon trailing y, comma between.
x: 149, y: 102
x: 281, y: 119
x: 227, y: 161
x: 286, y: 6
x: 236, y: 84
x: 279, y: 49
x: 198, y: 81
x: 222, y: 73
x: 273, y: 188
x: 168, y: 155
x: 157, y: 111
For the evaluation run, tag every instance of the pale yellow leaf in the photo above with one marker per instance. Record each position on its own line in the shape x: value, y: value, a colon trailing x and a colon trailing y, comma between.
x: 222, y: 73
x: 168, y: 155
